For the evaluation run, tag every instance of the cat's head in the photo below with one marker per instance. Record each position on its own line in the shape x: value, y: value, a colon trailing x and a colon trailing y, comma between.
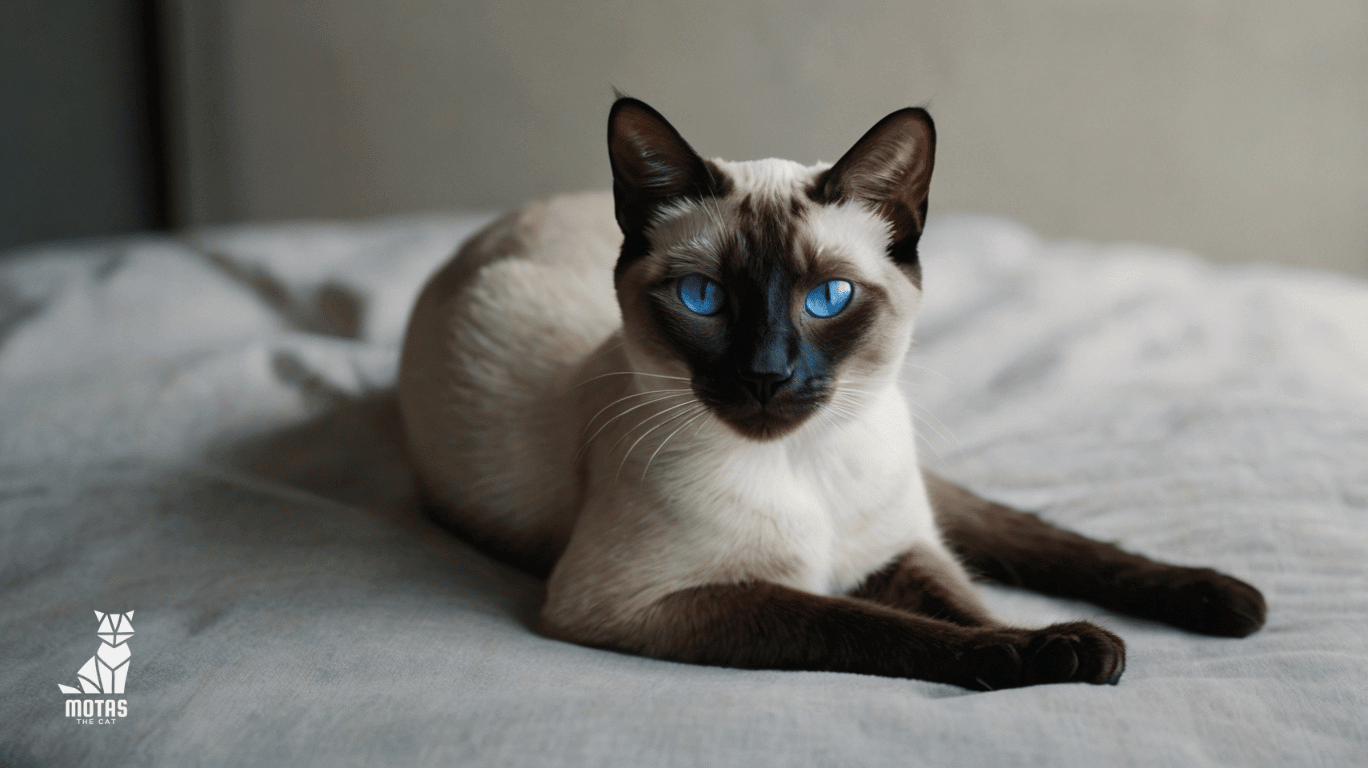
x: 115, y: 628
x: 769, y: 285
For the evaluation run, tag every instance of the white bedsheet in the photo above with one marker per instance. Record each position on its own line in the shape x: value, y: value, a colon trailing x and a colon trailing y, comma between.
x: 201, y: 431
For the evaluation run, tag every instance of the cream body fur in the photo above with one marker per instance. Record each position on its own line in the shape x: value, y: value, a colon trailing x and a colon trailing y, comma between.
x: 516, y: 364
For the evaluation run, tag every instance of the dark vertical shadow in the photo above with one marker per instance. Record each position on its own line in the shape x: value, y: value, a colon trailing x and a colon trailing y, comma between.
x: 196, y: 144
x: 153, y: 115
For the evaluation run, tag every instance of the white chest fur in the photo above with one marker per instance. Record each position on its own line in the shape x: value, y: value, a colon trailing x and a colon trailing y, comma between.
x: 818, y: 510
x: 838, y: 499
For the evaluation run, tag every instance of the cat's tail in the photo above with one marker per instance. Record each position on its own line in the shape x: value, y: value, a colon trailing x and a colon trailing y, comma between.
x: 89, y: 677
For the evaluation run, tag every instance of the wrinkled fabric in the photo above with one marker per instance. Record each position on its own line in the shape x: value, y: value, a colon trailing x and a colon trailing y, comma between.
x: 202, y: 430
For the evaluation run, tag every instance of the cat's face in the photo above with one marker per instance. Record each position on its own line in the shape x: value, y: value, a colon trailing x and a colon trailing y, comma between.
x: 768, y: 285
x: 115, y: 628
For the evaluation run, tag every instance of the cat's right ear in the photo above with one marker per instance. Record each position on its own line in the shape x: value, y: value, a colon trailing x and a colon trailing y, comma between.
x: 652, y: 165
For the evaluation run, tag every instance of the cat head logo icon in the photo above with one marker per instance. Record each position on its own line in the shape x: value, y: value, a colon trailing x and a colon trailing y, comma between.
x: 107, y: 670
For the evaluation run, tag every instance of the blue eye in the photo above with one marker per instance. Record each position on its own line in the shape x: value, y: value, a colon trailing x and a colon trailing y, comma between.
x: 700, y: 295
x: 829, y: 298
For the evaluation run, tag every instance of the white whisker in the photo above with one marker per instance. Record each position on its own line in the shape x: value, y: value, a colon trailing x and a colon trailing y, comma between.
x: 900, y: 381
x: 703, y: 411
x: 915, y: 410
x: 631, y: 373
x: 714, y: 211
x: 628, y: 454
x: 700, y: 426
x: 842, y: 409
x: 929, y: 369
x: 605, y: 424
x: 952, y: 440
x: 912, y: 408
x: 590, y: 422
x: 605, y: 351
x: 825, y: 418
x: 644, y: 421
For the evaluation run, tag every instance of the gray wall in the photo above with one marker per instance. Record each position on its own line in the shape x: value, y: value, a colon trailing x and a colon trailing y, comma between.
x: 72, y: 155
x: 1235, y: 129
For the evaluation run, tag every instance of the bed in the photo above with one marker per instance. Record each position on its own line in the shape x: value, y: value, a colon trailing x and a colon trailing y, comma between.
x: 201, y: 431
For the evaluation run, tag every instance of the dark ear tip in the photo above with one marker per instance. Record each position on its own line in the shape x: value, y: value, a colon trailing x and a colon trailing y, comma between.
x: 630, y: 103
x: 913, y: 114
x: 919, y: 112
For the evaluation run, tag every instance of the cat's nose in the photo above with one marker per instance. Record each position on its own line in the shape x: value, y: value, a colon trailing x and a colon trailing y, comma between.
x: 763, y: 384
x: 769, y: 364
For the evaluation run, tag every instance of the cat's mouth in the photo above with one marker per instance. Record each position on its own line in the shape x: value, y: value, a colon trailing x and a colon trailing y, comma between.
x: 741, y: 410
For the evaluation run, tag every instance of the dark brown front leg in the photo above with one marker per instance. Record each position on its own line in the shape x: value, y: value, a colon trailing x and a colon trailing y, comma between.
x: 926, y: 582
x: 768, y: 626
x: 1018, y: 548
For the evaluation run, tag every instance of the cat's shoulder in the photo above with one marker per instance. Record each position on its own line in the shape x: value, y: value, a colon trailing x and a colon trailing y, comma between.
x: 574, y: 230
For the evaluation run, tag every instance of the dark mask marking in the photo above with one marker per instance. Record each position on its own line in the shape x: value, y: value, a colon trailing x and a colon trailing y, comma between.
x: 760, y: 364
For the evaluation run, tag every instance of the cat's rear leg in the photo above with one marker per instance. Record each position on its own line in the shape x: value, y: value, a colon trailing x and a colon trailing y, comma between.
x: 1018, y: 548
x: 761, y: 625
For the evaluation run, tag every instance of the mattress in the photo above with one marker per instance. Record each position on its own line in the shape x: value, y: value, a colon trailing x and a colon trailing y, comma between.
x: 199, y: 443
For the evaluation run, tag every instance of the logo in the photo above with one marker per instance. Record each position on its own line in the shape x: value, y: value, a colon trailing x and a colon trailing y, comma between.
x: 104, y: 673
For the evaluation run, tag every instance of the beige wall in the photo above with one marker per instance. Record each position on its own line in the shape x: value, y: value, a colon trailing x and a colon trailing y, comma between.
x: 1235, y: 129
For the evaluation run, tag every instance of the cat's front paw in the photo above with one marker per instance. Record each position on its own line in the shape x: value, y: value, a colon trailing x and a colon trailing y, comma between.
x: 1211, y: 603
x: 1076, y: 652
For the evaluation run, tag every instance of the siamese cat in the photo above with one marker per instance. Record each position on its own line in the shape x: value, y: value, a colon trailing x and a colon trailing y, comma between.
x: 679, y: 404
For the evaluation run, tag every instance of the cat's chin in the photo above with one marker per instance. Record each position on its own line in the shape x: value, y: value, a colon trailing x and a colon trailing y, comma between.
x: 772, y: 421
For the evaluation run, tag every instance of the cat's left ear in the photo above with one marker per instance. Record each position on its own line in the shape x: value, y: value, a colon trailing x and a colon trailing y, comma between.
x: 889, y: 169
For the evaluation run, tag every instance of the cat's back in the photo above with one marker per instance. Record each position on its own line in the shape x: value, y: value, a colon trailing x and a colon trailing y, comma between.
x: 486, y: 378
